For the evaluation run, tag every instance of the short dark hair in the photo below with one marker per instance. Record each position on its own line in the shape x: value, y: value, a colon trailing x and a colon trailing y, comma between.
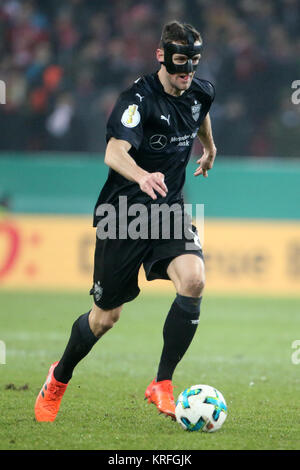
x: 174, y: 31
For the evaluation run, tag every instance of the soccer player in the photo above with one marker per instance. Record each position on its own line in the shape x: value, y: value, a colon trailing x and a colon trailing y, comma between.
x: 149, y: 140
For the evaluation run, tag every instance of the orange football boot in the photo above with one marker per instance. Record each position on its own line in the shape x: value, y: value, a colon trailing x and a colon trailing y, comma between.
x: 161, y: 394
x: 48, y: 400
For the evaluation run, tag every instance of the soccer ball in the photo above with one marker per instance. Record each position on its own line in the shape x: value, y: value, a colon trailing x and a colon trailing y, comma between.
x: 201, y: 408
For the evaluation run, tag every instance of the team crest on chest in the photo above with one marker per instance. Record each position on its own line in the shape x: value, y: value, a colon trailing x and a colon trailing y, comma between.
x: 196, y: 108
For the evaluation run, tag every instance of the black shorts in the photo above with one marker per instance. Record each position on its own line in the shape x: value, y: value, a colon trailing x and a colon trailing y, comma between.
x: 117, y: 264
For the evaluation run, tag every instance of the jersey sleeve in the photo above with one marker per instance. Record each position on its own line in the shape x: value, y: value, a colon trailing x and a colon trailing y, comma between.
x: 205, y: 90
x: 126, y: 119
x: 209, y: 90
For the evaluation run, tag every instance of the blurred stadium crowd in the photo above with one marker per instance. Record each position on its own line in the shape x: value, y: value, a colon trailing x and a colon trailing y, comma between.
x: 65, y: 62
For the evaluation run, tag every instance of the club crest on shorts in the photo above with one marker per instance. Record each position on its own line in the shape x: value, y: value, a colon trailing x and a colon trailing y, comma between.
x: 98, y: 290
x: 131, y: 116
x: 196, y: 108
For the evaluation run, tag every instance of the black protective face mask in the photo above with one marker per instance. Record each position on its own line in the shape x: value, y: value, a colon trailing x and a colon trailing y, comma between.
x: 190, y: 50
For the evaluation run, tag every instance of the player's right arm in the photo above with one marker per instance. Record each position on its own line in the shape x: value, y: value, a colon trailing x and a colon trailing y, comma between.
x: 117, y: 157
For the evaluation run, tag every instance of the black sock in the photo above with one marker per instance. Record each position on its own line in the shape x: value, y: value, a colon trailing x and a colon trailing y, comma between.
x: 81, y: 341
x: 179, y: 329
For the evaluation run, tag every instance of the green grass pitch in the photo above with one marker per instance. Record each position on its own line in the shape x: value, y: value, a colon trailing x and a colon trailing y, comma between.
x: 243, y: 347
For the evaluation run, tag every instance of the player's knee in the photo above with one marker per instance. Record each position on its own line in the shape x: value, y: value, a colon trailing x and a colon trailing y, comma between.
x: 104, y: 325
x: 104, y: 320
x: 192, y: 286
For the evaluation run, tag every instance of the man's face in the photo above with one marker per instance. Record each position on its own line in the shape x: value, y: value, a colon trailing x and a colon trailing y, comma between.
x: 180, y: 81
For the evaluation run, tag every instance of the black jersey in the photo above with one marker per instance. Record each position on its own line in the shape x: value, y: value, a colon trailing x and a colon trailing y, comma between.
x: 161, y: 129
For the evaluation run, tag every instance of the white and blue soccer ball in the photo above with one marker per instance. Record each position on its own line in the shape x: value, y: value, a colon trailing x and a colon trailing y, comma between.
x: 201, y: 408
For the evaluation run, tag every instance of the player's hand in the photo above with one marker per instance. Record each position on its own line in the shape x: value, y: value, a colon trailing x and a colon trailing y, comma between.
x: 206, y: 162
x: 153, y: 182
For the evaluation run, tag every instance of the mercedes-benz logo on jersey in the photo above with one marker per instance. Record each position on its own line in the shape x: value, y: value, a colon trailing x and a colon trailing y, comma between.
x: 158, y: 142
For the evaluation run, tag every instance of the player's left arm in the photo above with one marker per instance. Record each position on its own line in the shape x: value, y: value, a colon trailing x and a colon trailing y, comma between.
x: 209, y: 149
